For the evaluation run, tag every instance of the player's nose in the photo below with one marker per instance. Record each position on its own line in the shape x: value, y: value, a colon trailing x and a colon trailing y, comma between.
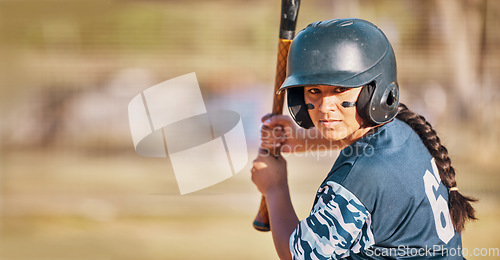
x: 329, y: 103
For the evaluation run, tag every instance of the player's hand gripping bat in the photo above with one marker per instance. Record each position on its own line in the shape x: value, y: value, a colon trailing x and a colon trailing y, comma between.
x: 289, y: 13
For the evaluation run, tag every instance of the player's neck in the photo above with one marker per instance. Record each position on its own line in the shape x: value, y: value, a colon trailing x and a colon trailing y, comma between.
x: 355, y: 136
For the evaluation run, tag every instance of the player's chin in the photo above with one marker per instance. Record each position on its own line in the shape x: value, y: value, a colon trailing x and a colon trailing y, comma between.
x: 329, y: 134
x: 334, y: 134
x: 269, y: 146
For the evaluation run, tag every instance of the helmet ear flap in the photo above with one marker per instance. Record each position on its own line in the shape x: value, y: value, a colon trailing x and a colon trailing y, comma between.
x: 386, y: 104
x: 297, y: 107
x: 390, y: 99
x: 363, y: 103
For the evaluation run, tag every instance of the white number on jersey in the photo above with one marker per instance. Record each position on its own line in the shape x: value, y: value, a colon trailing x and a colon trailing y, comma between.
x: 444, y: 227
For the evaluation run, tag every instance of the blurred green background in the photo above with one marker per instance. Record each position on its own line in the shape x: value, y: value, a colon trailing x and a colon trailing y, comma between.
x: 72, y: 186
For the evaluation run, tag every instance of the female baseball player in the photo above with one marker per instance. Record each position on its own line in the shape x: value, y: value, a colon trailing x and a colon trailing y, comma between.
x: 391, y: 193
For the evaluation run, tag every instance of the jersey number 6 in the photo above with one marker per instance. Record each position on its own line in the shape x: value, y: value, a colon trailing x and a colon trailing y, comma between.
x: 444, y: 227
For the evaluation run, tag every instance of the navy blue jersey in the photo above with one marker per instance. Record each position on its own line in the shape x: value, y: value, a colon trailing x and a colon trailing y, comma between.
x: 383, y: 198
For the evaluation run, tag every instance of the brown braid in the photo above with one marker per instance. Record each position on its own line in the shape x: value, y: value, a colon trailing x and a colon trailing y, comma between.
x: 460, y: 206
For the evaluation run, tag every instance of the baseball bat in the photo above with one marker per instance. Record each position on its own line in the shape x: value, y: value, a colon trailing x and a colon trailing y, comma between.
x: 289, y: 13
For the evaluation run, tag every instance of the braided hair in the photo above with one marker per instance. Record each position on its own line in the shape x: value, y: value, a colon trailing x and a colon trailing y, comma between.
x: 459, y: 205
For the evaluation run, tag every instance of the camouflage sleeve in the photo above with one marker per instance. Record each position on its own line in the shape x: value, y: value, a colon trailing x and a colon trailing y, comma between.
x: 337, y: 225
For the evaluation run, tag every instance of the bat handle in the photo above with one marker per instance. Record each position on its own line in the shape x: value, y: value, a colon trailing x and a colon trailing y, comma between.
x: 261, y: 222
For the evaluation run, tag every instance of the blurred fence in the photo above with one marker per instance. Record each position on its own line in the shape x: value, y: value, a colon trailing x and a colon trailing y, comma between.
x: 70, y: 67
x: 73, y: 65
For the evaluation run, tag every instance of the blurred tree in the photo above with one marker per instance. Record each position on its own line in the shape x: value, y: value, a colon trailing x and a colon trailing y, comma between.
x: 464, y: 30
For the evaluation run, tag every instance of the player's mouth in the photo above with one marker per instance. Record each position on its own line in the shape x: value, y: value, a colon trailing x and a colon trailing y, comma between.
x: 329, y: 123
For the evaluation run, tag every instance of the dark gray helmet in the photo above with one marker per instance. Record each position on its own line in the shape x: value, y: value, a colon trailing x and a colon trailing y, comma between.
x: 347, y: 53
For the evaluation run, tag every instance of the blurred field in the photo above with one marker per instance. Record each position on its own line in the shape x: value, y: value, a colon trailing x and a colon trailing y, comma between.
x: 71, y: 185
x: 128, y: 207
x: 68, y: 206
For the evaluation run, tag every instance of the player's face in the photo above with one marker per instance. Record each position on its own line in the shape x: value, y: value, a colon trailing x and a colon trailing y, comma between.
x: 335, y: 122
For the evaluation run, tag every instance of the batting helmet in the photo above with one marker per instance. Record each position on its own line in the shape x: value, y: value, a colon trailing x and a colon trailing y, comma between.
x: 346, y: 53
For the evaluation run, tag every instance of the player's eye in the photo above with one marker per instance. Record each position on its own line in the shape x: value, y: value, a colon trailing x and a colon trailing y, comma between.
x: 314, y: 91
x: 341, y: 90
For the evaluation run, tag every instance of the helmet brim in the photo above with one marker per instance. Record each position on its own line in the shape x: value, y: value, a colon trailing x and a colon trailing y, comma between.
x: 338, y: 79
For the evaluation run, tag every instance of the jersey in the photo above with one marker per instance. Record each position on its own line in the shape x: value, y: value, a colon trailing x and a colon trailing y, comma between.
x: 383, y: 198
